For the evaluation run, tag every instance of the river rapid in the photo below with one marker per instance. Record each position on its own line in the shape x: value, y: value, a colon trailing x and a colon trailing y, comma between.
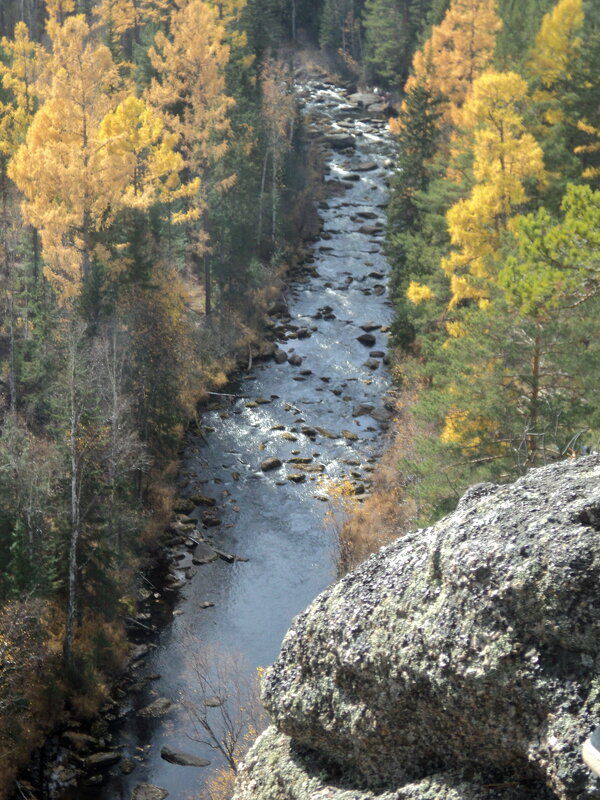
x: 278, y: 524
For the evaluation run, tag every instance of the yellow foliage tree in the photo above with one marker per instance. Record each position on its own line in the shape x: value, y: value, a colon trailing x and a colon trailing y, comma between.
x: 141, y: 154
x: 18, y: 76
x: 505, y: 155
x: 557, y: 42
x: 190, y: 92
x: 61, y: 168
x: 459, y: 49
x: 58, y: 10
x: 120, y: 17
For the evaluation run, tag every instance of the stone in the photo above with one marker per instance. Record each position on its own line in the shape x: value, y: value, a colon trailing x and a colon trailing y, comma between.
x: 209, y: 520
x: 460, y: 662
x: 158, y: 708
x: 296, y: 477
x: 182, y: 759
x: 360, y: 409
x: 202, y: 500
x: 289, y: 437
x: 270, y: 463
x: 203, y: 554
x: 381, y: 415
x: 371, y: 363
x: 326, y: 433
x: 280, y: 356
x: 370, y: 229
x: 277, y: 768
x: 364, y: 166
x: 363, y: 99
x: 127, y: 766
x: 351, y: 437
x: 295, y: 360
x: 148, y: 791
x: 101, y: 760
x: 368, y: 339
x: 183, y: 505
x: 339, y: 141
x: 228, y: 557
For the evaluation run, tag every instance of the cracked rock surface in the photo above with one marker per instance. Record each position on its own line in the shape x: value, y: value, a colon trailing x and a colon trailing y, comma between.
x: 461, y: 662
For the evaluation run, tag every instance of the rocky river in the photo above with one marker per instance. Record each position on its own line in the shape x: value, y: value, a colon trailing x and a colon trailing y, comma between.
x: 255, y: 475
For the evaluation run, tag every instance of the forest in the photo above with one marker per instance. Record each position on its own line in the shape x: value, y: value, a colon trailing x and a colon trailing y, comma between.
x: 493, y: 240
x: 155, y: 177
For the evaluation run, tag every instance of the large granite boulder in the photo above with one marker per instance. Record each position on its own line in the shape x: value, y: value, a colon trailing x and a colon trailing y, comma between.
x: 460, y: 663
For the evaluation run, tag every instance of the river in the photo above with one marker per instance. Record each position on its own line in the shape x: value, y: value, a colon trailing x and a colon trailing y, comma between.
x: 279, y: 525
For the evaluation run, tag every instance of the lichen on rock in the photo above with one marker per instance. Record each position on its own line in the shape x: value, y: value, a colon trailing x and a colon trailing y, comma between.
x: 461, y: 662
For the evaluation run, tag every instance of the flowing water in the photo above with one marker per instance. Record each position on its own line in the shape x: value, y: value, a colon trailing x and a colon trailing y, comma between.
x: 280, y: 526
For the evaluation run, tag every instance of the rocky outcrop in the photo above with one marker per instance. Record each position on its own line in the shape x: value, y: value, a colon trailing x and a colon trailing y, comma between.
x: 460, y: 663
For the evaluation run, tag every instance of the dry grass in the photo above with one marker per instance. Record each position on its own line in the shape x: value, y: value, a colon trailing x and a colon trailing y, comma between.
x: 388, y: 511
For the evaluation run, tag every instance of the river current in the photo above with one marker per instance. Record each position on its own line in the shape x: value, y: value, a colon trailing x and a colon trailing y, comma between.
x: 279, y: 525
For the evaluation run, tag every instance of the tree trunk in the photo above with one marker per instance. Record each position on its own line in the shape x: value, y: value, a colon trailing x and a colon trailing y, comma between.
x: 75, y: 514
x: 207, y: 288
x: 534, y: 399
x: 261, y: 196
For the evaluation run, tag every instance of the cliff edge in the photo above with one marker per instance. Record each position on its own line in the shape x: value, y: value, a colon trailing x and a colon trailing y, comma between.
x: 461, y: 662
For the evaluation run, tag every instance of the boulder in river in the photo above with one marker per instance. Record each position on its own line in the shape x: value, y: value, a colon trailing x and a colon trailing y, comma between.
x: 381, y: 414
x: 458, y: 663
x: 183, y: 505
x: 295, y: 360
x: 368, y: 339
x: 158, y: 708
x: 182, y: 759
x: 280, y: 356
x: 203, y: 554
x: 364, y: 99
x: 371, y: 363
x: 360, y: 409
x: 270, y: 463
x: 203, y: 500
x: 339, y: 141
x: 148, y: 791
x: 102, y: 760
x: 364, y: 166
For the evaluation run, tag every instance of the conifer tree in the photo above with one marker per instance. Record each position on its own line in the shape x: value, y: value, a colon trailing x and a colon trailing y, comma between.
x: 190, y: 91
x: 505, y: 156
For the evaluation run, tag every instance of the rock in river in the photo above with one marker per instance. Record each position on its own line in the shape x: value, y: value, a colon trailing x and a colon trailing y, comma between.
x: 158, y: 708
x: 459, y: 663
x: 102, y: 760
x: 270, y: 463
x: 182, y: 759
x: 147, y: 791
x: 368, y: 339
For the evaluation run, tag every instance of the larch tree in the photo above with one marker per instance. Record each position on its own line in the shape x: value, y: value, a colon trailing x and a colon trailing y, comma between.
x: 505, y: 157
x: 190, y: 92
x: 61, y: 168
x: 459, y: 49
x: 279, y: 112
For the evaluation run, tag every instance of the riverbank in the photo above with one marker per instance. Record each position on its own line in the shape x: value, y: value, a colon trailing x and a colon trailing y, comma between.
x: 316, y: 408
x: 235, y: 337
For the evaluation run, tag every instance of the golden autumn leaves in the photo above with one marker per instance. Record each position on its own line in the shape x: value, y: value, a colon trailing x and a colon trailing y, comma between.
x: 483, y: 114
x: 85, y: 146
